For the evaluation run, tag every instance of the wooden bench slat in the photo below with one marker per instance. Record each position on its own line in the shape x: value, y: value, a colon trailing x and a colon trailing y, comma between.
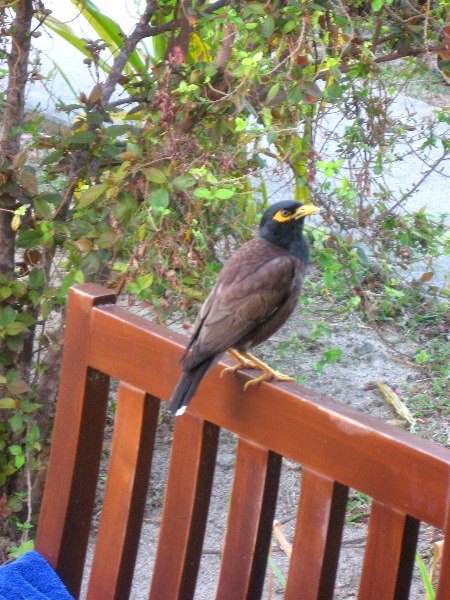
x: 125, y: 494
x: 71, y: 482
x: 317, y: 539
x: 186, y: 503
x: 383, y: 553
x: 251, y: 514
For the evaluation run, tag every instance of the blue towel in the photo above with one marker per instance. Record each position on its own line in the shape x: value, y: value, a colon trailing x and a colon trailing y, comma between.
x: 30, y: 577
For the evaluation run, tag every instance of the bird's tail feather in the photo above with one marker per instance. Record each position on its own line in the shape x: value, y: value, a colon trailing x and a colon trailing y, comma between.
x: 187, y: 386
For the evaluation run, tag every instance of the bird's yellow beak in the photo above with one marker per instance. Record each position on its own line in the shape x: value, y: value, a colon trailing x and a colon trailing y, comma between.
x: 306, y: 209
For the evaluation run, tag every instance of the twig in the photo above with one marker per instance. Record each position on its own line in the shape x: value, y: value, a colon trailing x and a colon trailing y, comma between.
x: 129, y: 45
x: 414, y: 188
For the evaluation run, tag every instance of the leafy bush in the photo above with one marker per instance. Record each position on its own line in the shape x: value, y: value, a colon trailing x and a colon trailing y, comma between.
x: 148, y: 200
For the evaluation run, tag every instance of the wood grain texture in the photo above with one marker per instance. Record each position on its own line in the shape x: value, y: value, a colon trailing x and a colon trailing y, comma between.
x: 317, y: 539
x: 125, y: 494
x: 186, y: 503
x: 383, y: 553
x: 65, y: 518
x: 249, y: 527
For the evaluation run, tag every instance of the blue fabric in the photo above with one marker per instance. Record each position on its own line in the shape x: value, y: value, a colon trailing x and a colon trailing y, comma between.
x: 30, y: 577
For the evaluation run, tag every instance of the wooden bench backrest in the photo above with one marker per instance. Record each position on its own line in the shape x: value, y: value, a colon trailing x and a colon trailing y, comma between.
x: 339, y: 448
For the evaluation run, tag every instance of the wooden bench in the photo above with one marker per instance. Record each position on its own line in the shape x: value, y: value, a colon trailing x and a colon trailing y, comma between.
x: 339, y: 448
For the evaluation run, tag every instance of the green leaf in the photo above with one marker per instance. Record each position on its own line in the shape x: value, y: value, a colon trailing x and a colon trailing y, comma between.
x: 15, y: 450
x: 20, y: 461
x: 7, y: 316
x: 253, y: 8
x: 16, y: 422
x: 19, y: 288
x: 425, y: 577
x: 290, y: 26
x: 79, y: 137
x: 18, y: 387
x: 154, y: 175
x: 36, y: 279
x: 34, y: 433
x: 94, y: 118
x: 377, y: 5
x: 126, y: 205
x: 116, y: 130
x: 328, y: 278
x: 295, y: 94
x: 223, y: 193
x: 29, y: 407
x: 42, y: 208
x: 333, y: 92
x: 52, y: 158
x: 65, y: 285
x: 106, y: 239
x: 46, y: 308
x: 90, y: 263
x: 28, y: 239
x: 7, y: 403
x: 92, y: 194
x: 160, y: 198
x: 145, y: 281
x: 26, y: 318
x: 272, y: 92
x: 159, y: 44
x: 28, y: 181
x: 15, y: 328
x: 184, y: 182
x: 268, y: 26
x: 202, y: 192
x: 25, y: 547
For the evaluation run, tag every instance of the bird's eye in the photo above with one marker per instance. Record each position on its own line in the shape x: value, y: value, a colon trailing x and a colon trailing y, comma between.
x: 285, y: 212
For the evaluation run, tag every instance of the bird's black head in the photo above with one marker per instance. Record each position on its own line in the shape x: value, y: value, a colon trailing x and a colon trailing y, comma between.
x: 282, y: 224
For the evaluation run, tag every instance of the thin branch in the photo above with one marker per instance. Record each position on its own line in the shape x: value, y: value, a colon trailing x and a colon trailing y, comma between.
x: 414, y: 188
x: 139, y: 33
x: 410, y: 52
x: 164, y: 27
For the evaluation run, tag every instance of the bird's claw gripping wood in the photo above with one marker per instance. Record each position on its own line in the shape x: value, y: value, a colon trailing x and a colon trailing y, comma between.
x: 245, y: 361
x: 248, y: 361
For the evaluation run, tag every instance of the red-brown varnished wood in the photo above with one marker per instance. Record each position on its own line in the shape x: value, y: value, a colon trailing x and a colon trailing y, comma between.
x: 408, y: 477
x: 382, y: 557
x: 125, y: 494
x: 317, y: 539
x: 249, y: 526
x: 321, y: 423
x: 71, y: 482
x: 185, y: 512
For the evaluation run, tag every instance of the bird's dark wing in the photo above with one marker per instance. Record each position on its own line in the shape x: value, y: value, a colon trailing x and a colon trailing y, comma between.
x: 247, y: 293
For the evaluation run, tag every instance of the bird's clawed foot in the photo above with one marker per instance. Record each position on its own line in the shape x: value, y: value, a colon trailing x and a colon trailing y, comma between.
x: 248, y: 361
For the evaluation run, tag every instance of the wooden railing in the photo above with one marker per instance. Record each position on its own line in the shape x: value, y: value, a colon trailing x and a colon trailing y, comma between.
x: 339, y: 448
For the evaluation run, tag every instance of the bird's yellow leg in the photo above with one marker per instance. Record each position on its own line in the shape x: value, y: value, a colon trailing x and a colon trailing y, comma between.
x: 246, y: 360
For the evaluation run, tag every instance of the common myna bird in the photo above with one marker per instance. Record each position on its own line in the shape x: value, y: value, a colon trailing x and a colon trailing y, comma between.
x: 255, y: 293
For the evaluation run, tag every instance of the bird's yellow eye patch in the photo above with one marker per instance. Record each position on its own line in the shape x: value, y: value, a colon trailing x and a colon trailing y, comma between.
x: 283, y: 215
